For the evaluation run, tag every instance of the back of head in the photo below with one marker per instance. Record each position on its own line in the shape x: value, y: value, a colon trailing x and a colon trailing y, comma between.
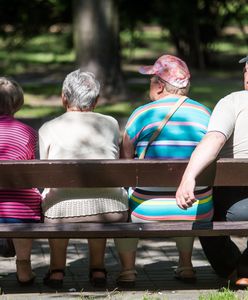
x: 173, y: 71
x: 81, y: 89
x: 11, y: 96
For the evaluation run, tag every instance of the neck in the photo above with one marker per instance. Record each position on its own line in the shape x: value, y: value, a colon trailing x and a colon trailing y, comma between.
x: 70, y: 109
x: 167, y: 95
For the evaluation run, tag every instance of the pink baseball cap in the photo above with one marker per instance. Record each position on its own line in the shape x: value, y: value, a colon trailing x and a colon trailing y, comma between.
x: 171, y: 69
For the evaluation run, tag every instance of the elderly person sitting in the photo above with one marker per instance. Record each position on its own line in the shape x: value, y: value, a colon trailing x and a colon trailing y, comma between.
x: 81, y: 133
x: 18, y: 142
x: 176, y: 139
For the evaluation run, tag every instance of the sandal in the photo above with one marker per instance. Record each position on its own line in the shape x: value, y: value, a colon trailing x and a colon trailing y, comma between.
x: 54, y: 283
x: 98, y: 281
x: 185, y: 274
x: 127, y: 278
x: 25, y: 263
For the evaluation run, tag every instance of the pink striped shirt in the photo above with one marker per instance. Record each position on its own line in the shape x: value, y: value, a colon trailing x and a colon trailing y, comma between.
x: 18, y: 142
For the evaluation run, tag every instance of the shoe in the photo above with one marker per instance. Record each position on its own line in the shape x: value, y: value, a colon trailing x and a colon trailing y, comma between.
x: 185, y: 274
x: 54, y: 283
x: 25, y: 263
x: 127, y: 278
x: 98, y: 281
x: 242, y: 282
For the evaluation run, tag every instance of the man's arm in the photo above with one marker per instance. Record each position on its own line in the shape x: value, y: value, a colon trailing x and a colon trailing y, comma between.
x: 205, y: 153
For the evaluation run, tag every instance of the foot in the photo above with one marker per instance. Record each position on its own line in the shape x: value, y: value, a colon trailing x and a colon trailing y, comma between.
x: 54, y: 278
x: 185, y: 274
x: 98, y: 277
x: 24, y: 274
x: 127, y: 278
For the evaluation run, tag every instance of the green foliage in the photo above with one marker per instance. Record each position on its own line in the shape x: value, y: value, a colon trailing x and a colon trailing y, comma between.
x: 193, y: 25
x: 21, y: 19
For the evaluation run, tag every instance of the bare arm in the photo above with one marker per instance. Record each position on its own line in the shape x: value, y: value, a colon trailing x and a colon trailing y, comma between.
x: 205, y: 153
x: 127, y: 148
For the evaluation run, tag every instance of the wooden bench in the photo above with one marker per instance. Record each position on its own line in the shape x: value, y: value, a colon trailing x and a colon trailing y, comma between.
x: 114, y: 173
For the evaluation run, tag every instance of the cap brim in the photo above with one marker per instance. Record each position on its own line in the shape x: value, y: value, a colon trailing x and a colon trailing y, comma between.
x: 146, y: 70
x: 244, y: 60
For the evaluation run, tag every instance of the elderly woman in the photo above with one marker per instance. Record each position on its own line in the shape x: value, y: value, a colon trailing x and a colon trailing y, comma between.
x: 17, y: 142
x: 148, y: 135
x: 81, y: 133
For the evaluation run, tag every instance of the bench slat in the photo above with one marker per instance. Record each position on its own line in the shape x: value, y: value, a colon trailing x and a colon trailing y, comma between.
x: 113, y: 173
x: 122, y: 230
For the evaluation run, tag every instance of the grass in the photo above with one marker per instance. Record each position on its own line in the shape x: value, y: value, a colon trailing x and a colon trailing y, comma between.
x: 225, y: 294
x: 49, y: 56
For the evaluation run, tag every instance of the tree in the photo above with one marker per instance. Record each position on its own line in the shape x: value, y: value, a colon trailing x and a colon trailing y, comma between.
x: 96, y: 37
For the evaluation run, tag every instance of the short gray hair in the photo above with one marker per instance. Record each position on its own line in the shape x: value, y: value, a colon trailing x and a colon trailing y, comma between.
x: 173, y: 89
x: 11, y: 96
x: 81, y: 89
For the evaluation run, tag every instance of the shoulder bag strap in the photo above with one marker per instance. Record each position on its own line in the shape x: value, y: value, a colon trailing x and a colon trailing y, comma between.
x: 162, y: 124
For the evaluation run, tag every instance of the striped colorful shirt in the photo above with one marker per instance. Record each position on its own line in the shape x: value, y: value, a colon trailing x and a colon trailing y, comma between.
x: 177, y: 140
x: 18, y: 142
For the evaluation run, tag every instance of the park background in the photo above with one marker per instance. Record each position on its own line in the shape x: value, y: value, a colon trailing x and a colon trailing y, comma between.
x: 43, y: 40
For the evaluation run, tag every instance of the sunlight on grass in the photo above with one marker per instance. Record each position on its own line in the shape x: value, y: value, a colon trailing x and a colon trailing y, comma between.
x: 38, y: 57
x: 227, y: 47
x: 211, y: 93
x: 39, y: 111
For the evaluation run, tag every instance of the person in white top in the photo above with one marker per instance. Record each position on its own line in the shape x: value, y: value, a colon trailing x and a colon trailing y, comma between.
x: 227, y: 137
x: 80, y: 133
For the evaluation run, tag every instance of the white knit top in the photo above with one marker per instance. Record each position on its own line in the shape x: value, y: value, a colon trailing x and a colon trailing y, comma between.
x: 81, y: 135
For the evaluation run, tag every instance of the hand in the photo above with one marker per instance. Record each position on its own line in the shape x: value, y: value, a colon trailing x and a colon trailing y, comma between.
x: 185, y: 193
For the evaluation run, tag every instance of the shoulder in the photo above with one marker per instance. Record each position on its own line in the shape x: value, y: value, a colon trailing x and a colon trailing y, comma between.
x: 197, y: 105
x: 144, y: 111
x: 25, y: 128
x: 50, y: 123
x: 233, y: 99
x: 107, y: 119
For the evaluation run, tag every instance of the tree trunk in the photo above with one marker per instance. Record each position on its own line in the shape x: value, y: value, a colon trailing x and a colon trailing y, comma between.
x: 96, y: 38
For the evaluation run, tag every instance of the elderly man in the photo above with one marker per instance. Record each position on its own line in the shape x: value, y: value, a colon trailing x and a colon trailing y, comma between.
x: 168, y: 127
x: 227, y: 137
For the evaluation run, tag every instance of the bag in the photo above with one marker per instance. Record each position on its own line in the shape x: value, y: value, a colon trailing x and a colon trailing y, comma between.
x: 7, y: 248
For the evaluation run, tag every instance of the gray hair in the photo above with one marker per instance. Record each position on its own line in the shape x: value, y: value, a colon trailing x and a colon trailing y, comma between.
x: 173, y: 89
x: 11, y: 96
x: 81, y: 89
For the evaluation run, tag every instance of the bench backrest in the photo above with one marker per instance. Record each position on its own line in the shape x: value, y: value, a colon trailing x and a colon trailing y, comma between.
x: 113, y: 173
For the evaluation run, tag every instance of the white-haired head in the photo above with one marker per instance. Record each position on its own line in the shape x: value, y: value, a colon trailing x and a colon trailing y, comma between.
x: 81, y: 89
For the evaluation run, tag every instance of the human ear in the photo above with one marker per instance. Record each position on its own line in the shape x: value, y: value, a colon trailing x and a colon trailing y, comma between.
x: 64, y: 101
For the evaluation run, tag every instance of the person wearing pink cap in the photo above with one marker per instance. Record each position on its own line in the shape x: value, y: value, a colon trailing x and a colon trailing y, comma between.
x: 227, y: 137
x: 168, y: 127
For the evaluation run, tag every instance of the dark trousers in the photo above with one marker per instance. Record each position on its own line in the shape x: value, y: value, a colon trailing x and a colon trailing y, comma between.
x: 230, y: 204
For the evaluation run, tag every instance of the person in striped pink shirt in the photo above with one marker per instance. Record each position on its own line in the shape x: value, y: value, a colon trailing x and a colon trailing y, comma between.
x: 17, y: 142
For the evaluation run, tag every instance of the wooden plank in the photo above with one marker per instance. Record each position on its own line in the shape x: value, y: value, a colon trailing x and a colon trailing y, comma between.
x: 123, y: 230
x: 112, y: 173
